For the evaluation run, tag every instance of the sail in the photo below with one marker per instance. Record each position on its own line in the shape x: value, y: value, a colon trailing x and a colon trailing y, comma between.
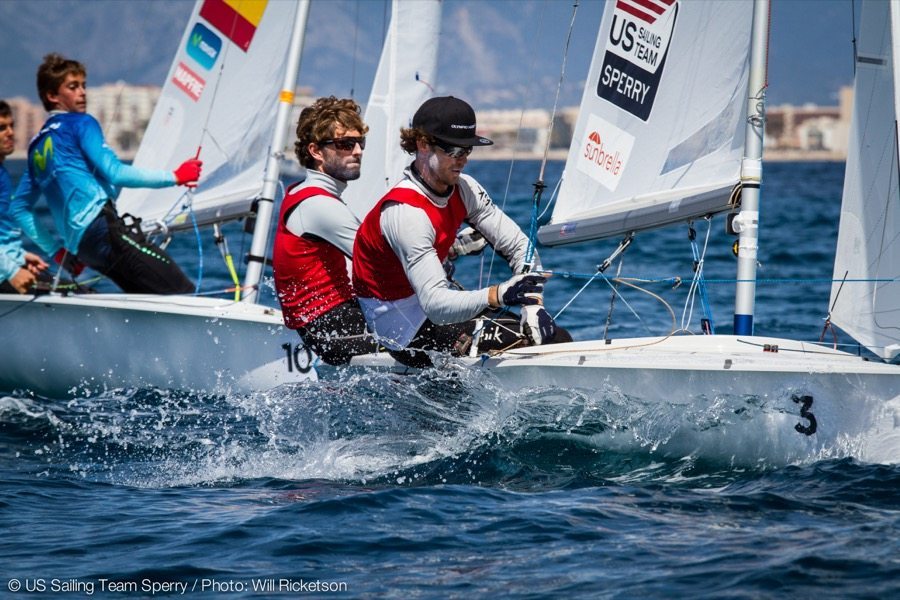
x: 403, y: 81
x: 660, y: 132
x: 221, y: 93
x: 867, y: 304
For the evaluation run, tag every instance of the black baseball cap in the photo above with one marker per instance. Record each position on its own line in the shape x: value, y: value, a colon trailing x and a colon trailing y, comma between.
x: 450, y: 120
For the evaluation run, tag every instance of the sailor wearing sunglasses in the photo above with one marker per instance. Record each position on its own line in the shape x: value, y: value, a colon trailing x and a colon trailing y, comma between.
x: 314, y: 237
x: 397, y: 273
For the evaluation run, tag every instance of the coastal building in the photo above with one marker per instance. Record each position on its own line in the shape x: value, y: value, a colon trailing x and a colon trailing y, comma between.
x: 123, y: 111
x: 809, y: 132
x: 28, y: 117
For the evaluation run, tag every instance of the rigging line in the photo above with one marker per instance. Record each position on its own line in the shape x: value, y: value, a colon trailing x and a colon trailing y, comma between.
x: 853, y: 33
x: 19, y: 305
x: 704, y: 293
x: 531, y: 75
x: 552, y: 199
x: 675, y: 280
x: 355, y: 47
x: 539, y: 184
x: 204, y: 132
x: 795, y: 350
x: 652, y: 295
x: 550, y: 350
x: 578, y: 293
x: 199, y: 249
x: 562, y: 76
x: 687, y: 313
x: 889, y: 200
x: 698, y: 286
x: 612, y: 299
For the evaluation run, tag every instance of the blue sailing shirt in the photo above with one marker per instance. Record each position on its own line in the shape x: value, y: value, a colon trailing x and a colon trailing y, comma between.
x: 70, y: 164
x: 12, y: 254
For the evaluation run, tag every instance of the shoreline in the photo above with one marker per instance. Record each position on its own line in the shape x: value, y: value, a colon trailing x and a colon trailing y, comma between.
x: 561, y: 154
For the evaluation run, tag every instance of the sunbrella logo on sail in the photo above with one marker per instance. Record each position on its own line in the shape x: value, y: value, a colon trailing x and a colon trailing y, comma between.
x: 203, y: 46
x: 636, y: 51
x: 188, y: 81
x: 605, y: 152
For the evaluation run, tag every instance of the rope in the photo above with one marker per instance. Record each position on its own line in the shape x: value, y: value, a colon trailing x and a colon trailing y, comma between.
x: 222, y: 243
x: 698, y: 284
x: 18, y: 306
x: 199, y: 248
x: 677, y: 280
x: 512, y: 162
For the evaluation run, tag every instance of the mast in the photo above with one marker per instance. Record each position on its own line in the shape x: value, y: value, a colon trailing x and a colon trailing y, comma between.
x: 270, y: 180
x: 747, y: 221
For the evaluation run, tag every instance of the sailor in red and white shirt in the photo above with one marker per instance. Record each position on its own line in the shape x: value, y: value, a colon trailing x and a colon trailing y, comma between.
x: 315, y: 233
x: 403, y: 241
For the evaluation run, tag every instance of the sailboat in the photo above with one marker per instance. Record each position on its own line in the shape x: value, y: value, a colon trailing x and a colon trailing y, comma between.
x: 671, y: 129
x: 228, y: 93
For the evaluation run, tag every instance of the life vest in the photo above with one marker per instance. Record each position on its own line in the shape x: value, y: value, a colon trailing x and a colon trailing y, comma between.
x: 310, y: 274
x: 377, y: 272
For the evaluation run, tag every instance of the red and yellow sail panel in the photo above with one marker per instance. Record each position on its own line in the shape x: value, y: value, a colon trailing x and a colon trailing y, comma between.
x: 236, y: 19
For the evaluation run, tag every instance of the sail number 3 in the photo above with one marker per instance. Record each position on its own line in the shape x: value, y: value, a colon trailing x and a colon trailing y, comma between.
x: 805, y: 403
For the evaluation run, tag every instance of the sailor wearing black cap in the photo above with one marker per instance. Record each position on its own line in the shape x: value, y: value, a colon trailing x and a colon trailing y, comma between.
x: 401, y: 244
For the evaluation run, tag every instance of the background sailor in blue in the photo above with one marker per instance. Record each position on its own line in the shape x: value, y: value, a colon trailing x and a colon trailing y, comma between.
x: 19, y: 270
x: 71, y: 166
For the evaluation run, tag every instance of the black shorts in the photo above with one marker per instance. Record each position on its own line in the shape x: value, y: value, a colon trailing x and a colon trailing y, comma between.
x: 339, y: 335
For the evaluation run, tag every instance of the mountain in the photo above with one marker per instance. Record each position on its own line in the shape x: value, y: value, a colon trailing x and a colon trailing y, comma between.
x: 494, y: 53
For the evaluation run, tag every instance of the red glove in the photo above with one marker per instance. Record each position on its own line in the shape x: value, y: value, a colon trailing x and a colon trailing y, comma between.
x: 68, y: 262
x: 188, y: 172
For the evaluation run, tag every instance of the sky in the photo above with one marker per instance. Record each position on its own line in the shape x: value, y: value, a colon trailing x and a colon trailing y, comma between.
x: 495, y: 53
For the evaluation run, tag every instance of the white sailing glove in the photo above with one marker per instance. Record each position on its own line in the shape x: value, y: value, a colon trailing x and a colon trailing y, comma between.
x: 468, y: 241
x: 538, y: 326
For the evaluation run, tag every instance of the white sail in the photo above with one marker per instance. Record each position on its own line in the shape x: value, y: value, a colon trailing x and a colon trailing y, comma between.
x: 221, y: 93
x: 660, y: 133
x: 404, y: 80
x: 867, y: 304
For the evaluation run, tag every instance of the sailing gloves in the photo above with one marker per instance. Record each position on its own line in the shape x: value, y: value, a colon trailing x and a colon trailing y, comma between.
x: 537, y: 325
x: 68, y: 262
x: 468, y: 241
x: 522, y: 289
x: 188, y: 172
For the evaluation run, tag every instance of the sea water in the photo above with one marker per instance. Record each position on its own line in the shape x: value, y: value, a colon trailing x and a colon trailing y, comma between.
x: 443, y: 484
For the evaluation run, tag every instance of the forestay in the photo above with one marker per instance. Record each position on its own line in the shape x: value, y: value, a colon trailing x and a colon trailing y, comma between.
x: 660, y: 133
x: 220, y: 93
x: 404, y: 80
x: 867, y: 304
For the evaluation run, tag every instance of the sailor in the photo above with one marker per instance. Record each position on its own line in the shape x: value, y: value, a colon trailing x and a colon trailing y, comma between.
x: 315, y: 233
x: 403, y: 291
x: 70, y: 164
x: 19, y: 270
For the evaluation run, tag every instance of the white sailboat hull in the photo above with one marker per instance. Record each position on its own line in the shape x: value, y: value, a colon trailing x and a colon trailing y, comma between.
x: 64, y: 346
x: 716, y: 397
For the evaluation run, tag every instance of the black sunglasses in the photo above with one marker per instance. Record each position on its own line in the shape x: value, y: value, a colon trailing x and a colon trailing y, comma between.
x: 453, y: 151
x: 345, y: 143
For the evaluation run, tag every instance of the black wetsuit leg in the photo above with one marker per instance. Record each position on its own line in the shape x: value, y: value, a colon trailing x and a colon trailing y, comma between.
x: 123, y: 253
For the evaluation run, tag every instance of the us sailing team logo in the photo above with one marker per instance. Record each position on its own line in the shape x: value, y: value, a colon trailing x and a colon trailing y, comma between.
x: 636, y: 53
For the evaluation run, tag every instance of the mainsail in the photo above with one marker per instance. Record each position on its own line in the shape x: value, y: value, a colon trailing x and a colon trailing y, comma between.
x: 865, y: 297
x: 660, y: 134
x: 404, y: 80
x: 220, y: 94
